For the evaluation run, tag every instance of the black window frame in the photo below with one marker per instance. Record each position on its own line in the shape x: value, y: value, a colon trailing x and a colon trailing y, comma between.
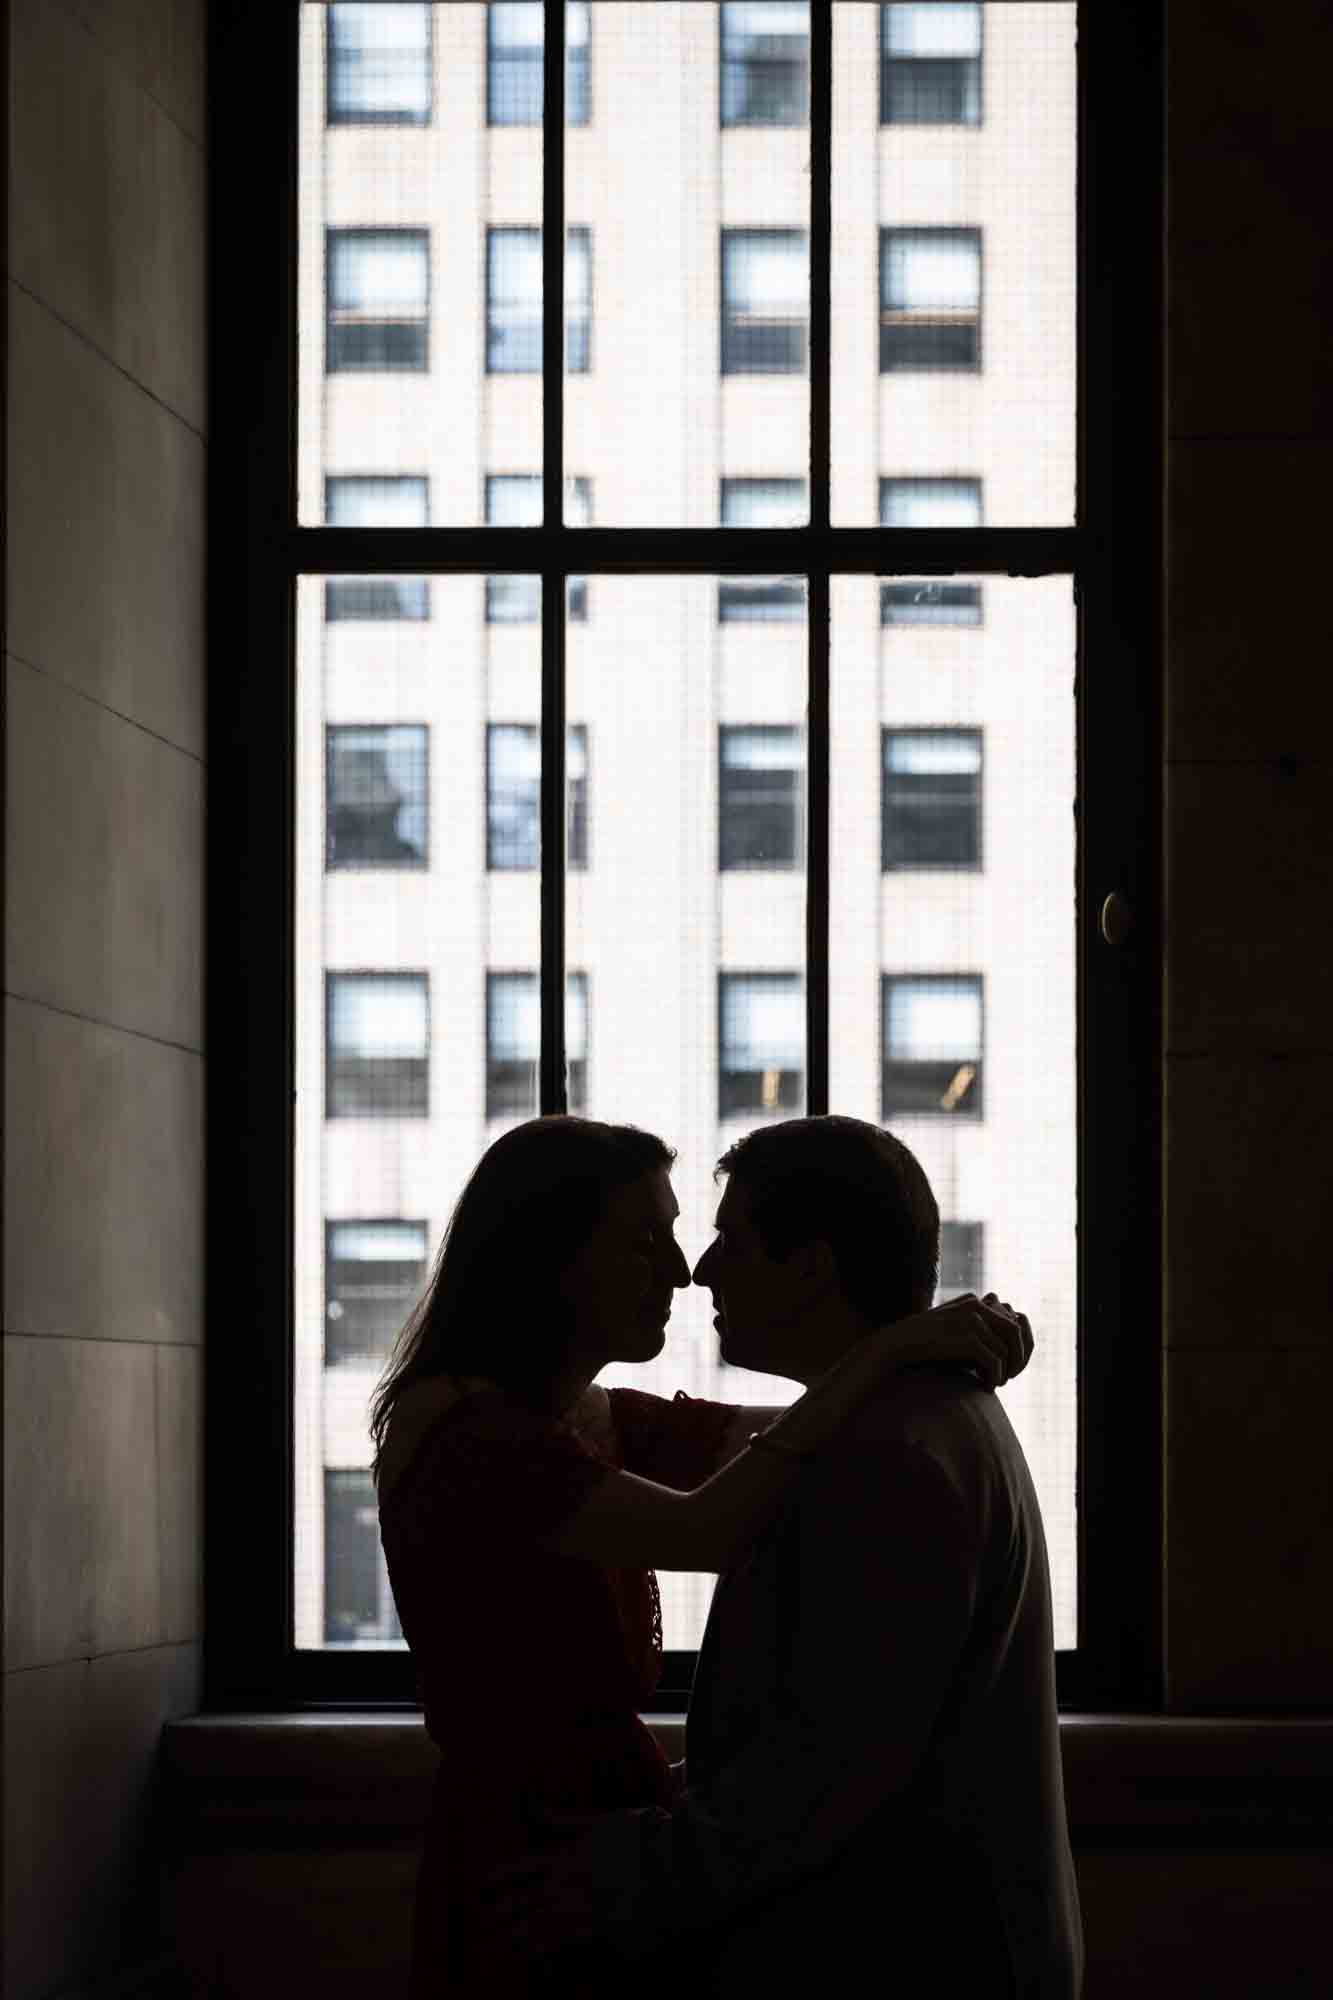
x: 1113, y: 551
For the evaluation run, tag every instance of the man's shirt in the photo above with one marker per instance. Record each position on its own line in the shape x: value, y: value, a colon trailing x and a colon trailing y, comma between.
x: 883, y: 1656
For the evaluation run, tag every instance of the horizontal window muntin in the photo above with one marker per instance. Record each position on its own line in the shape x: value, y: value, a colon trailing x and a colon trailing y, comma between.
x: 905, y: 552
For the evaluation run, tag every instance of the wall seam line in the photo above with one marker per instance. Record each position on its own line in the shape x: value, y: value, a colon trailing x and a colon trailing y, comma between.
x: 100, y: 1021
x: 49, y: 673
x: 118, y: 367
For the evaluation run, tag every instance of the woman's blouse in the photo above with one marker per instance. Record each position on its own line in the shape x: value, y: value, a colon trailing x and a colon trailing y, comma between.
x: 532, y: 1666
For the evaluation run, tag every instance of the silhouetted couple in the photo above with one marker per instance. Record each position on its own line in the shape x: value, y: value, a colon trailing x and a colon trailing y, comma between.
x: 872, y: 1795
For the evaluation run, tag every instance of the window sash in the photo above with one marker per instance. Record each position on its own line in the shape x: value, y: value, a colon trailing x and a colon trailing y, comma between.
x: 251, y: 1662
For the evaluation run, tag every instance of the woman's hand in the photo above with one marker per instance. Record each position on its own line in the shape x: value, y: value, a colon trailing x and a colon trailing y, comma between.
x: 985, y: 1334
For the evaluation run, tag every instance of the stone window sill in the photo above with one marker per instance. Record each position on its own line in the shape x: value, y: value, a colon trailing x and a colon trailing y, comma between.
x: 336, y: 1777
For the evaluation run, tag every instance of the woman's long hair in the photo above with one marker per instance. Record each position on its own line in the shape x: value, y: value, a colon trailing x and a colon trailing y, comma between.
x: 492, y: 1306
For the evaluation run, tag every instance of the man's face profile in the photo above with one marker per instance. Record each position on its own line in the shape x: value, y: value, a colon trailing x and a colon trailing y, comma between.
x: 755, y: 1297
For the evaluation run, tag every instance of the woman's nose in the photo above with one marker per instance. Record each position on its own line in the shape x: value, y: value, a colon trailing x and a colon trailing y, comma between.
x: 701, y: 1268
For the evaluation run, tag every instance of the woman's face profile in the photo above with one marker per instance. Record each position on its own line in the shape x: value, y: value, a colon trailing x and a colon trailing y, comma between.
x: 619, y: 1285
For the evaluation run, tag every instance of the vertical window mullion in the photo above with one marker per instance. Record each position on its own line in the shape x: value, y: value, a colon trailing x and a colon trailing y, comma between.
x: 817, y: 627
x: 552, y: 1094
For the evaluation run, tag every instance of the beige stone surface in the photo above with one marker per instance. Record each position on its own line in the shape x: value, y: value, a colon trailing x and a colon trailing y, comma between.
x: 106, y: 531
x: 81, y: 1890
x: 180, y: 1491
x: 104, y: 1181
x: 1249, y: 620
x: 82, y: 1571
x: 1249, y: 278
x: 161, y: 46
x: 108, y: 207
x: 1247, y: 1202
x: 104, y: 864
x: 1249, y: 948
x: 1249, y: 1520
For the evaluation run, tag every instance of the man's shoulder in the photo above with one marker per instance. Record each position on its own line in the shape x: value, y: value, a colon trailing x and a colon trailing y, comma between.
x: 934, y: 1419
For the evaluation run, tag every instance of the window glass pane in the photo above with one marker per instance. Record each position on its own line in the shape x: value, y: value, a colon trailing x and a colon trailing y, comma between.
x: 514, y: 500
x: 377, y: 796
x: 663, y: 933
x: 951, y: 978
x: 953, y: 286
x: 358, y: 1603
x: 766, y: 63
x: 400, y: 186
x: 379, y: 64
x: 761, y: 794
x: 401, y: 913
x: 373, y: 1274
x: 692, y: 177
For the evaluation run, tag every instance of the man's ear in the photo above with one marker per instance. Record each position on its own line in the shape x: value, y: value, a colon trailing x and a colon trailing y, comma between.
x: 815, y: 1263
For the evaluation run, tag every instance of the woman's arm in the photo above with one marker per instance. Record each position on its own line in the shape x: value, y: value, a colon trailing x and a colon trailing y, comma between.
x: 628, y: 1522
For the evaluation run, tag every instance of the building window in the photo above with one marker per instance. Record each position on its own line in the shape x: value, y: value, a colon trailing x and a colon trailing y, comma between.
x: 376, y: 502
x: 514, y: 500
x: 373, y: 1275
x: 929, y: 503
x: 765, y: 293
x: 377, y: 809
x: 962, y: 1260
x: 515, y: 45
x: 932, y: 1030
x: 378, y: 1045
x: 766, y: 63
x: 762, y: 503
x: 378, y: 317
x: 761, y: 1042
x: 514, y: 301
x: 931, y: 799
x: 930, y: 65
x: 513, y: 1043
x: 358, y: 1602
x: 379, y: 64
x: 513, y: 796
x: 761, y: 797
x: 930, y: 299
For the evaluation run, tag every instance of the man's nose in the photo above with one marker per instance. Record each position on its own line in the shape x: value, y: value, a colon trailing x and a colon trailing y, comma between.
x: 678, y: 1271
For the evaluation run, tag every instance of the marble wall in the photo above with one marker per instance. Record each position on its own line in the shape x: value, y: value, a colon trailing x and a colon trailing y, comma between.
x: 103, y: 1004
x: 1249, y: 855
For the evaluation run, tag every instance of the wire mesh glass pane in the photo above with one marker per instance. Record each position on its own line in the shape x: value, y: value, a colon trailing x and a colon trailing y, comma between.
x: 953, y: 279
x: 689, y: 924
x: 951, y: 980
x: 417, y: 887
x: 692, y: 182
x: 419, y: 262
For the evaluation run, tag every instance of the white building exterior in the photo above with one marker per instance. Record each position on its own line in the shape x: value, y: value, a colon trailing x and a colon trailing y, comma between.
x: 969, y: 696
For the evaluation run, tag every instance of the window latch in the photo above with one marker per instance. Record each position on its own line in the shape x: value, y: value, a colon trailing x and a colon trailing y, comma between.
x: 1117, y: 918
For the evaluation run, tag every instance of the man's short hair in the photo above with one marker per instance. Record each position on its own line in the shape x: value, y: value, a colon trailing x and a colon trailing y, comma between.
x: 854, y: 1187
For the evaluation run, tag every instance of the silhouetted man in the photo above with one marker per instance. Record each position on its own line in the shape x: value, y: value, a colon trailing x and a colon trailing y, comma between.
x: 874, y: 1799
